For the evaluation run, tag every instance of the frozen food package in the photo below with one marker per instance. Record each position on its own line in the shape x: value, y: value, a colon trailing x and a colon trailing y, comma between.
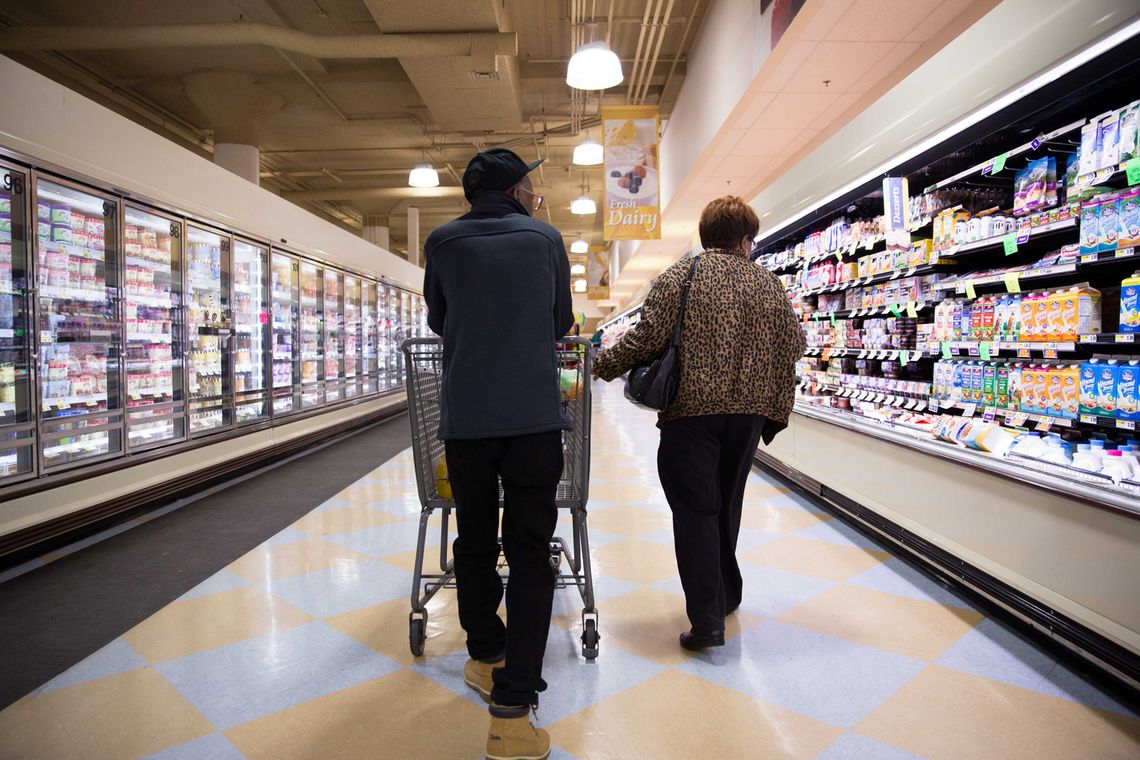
x: 1129, y: 121
x: 1090, y: 155
x: 1050, y: 181
x: 1020, y: 184
x: 1109, y: 142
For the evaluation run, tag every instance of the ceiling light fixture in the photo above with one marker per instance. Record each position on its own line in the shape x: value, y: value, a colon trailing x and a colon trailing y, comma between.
x: 579, y: 286
x: 580, y: 246
x: 594, y: 67
x: 588, y: 153
x: 578, y: 269
x: 583, y: 205
x: 423, y: 175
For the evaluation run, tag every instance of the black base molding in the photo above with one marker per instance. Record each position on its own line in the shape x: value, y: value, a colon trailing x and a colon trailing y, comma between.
x: 1069, y: 639
x: 36, y: 540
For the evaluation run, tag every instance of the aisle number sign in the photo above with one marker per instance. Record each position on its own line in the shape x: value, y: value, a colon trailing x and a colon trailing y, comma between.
x: 631, y: 206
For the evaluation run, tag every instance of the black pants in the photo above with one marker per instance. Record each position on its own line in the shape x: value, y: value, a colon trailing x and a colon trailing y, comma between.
x: 703, y: 463
x: 529, y: 466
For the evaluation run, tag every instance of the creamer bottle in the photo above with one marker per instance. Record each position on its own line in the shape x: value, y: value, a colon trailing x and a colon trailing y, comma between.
x: 1130, y: 304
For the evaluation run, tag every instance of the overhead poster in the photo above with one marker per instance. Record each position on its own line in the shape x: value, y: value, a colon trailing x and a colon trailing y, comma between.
x: 632, y: 206
x: 598, y: 275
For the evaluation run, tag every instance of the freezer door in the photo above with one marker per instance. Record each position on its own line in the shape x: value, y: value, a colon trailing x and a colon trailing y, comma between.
x: 17, y: 421
x: 312, y: 336
x: 210, y: 331
x: 334, y: 336
x: 80, y: 328
x: 251, y: 326
x: 368, y: 337
x: 353, y: 334
x: 154, y: 357
x: 285, y: 278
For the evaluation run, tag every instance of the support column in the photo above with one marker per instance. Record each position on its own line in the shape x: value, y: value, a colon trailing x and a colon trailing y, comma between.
x: 414, y: 235
x: 242, y: 160
x: 235, y: 103
x: 376, y: 230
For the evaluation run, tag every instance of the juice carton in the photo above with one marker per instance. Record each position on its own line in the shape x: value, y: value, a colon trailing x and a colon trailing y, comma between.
x: 1029, y: 375
x: 1001, y: 386
x: 959, y: 382
x: 1027, y: 331
x: 1041, y: 317
x: 1130, y: 304
x: 1016, y: 386
x: 1087, y: 392
x: 1109, y: 235
x: 1127, y: 394
x: 1070, y: 391
x: 977, y: 372
x: 1055, y: 393
x: 989, y: 385
x: 1054, y: 321
x: 1107, y: 379
x: 1090, y: 228
x: 976, y: 317
x: 1080, y: 313
x: 1129, y: 217
x: 1014, y: 331
x: 956, y: 322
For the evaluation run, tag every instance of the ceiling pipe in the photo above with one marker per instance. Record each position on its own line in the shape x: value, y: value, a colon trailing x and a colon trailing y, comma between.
x: 637, y: 55
x: 663, y: 29
x: 361, y: 193
x: 695, y: 13
x: 28, y: 38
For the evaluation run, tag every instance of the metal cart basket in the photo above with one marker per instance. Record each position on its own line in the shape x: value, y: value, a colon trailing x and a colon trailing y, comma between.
x: 569, y: 560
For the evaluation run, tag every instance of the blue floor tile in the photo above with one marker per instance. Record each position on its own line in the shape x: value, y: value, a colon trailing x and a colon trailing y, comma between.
x: 223, y: 580
x: 212, y: 747
x: 830, y: 679
x: 343, y: 588
x: 241, y: 682
x: 382, y: 540
x: 116, y: 657
x: 288, y: 536
x: 896, y: 576
x: 767, y: 591
x: 856, y: 747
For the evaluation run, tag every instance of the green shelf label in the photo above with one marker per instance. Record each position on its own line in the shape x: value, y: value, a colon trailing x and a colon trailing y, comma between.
x: 1009, y: 243
x: 999, y: 163
x: 1132, y: 170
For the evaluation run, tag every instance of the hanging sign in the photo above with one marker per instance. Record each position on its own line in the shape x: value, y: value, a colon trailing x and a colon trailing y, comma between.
x: 895, y: 201
x: 598, y: 275
x: 632, y: 203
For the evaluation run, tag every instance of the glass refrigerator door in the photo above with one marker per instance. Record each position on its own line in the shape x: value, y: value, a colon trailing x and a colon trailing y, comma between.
x: 80, y: 345
x: 286, y: 373
x: 388, y: 310
x: 251, y: 318
x: 403, y: 331
x: 334, y: 337
x: 152, y: 274
x: 312, y: 336
x: 368, y: 337
x: 207, y: 262
x: 352, y: 336
x: 17, y: 422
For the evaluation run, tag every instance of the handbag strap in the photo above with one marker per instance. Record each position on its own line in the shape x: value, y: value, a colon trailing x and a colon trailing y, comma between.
x: 685, y: 301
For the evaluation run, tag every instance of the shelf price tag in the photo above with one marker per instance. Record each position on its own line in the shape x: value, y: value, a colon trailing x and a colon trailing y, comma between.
x: 1088, y: 419
x: 895, y: 310
x: 984, y: 350
x: 1132, y: 170
x: 946, y: 349
x: 1023, y: 353
x: 970, y: 292
x: 911, y: 309
x: 1044, y: 424
x: 998, y: 164
x: 904, y: 358
x: 989, y: 414
x: 969, y: 409
x: 1009, y: 243
x: 1088, y: 258
x: 1012, y: 282
x: 1088, y: 338
x: 1125, y: 338
x: 1126, y: 424
x: 1023, y: 231
x: 1050, y: 353
x: 831, y: 315
x: 1124, y: 253
x: 1019, y: 419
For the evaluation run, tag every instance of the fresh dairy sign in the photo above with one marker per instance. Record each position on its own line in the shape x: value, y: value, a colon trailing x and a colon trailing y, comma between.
x: 632, y: 205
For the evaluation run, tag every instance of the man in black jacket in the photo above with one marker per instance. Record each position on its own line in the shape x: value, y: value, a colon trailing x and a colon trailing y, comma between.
x: 497, y: 287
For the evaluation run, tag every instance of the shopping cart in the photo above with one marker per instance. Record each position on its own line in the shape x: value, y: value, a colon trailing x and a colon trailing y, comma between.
x: 570, y: 561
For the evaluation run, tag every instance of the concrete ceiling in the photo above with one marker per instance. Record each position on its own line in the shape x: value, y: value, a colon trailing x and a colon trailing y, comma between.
x: 344, y: 128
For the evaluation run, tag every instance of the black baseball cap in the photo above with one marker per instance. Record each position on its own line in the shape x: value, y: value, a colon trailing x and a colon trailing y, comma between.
x: 495, y: 169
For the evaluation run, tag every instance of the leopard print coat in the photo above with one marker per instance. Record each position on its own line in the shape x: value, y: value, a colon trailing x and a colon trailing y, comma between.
x: 739, y: 343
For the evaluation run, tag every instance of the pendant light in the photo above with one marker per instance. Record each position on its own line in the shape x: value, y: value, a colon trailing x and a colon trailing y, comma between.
x: 579, y: 286
x: 579, y: 246
x: 583, y: 205
x: 594, y: 67
x: 578, y: 269
x: 588, y: 153
x: 423, y: 175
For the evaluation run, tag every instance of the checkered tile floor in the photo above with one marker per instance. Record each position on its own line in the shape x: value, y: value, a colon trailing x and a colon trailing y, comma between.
x: 299, y: 649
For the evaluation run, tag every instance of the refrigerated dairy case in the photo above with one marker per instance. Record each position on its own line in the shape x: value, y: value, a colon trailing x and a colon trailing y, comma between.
x: 127, y: 328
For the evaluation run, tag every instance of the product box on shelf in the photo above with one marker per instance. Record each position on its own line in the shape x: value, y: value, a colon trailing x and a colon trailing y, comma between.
x: 1127, y: 393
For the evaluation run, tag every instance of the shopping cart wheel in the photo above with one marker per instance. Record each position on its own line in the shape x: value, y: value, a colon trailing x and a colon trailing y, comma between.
x: 590, y: 637
x: 417, y: 633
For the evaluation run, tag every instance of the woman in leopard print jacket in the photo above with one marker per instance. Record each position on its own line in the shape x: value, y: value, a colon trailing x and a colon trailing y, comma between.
x: 739, y: 345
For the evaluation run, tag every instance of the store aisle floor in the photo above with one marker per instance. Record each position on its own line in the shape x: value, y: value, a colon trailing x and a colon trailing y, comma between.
x: 299, y: 649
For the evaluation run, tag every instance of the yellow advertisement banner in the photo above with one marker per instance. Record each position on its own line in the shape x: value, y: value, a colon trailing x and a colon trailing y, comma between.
x: 631, y: 205
x: 598, y: 274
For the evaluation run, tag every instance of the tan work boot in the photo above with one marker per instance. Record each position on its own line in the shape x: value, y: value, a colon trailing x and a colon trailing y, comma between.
x: 477, y: 675
x: 515, y: 738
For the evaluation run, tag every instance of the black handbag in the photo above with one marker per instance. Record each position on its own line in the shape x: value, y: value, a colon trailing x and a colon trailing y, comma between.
x: 654, y: 385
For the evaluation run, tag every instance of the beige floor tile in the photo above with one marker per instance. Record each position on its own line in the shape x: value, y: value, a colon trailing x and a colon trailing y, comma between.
x: 267, y: 563
x: 624, y: 493
x: 911, y: 627
x: 754, y: 492
x: 344, y: 520
x: 816, y: 558
x: 676, y: 715
x: 120, y: 716
x: 647, y: 622
x: 402, y: 715
x: 407, y: 560
x: 946, y: 714
x: 631, y: 521
x: 369, y: 494
x: 208, y: 622
x: 384, y: 627
x: 761, y: 515
x: 638, y: 561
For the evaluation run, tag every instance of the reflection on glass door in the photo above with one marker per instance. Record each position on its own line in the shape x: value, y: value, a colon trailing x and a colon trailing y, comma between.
x: 312, y: 336
x: 251, y: 317
x: 334, y: 338
x: 17, y: 423
x: 286, y: 367
x: 152, y: 273
x: 352, y: 336
x: 368, y: 337
x: 403, y: 331
x: 79, y: 325
x: 387, y: 353
x: 207, y: 260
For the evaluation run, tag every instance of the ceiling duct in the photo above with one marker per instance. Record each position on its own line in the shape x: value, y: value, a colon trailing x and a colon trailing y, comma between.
x: 473, y: 91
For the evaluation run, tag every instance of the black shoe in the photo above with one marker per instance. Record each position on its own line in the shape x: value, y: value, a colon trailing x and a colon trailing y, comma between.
x: 695, y: 642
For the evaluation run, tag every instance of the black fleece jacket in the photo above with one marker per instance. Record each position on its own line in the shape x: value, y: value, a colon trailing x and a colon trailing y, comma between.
x: 497, y: 287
